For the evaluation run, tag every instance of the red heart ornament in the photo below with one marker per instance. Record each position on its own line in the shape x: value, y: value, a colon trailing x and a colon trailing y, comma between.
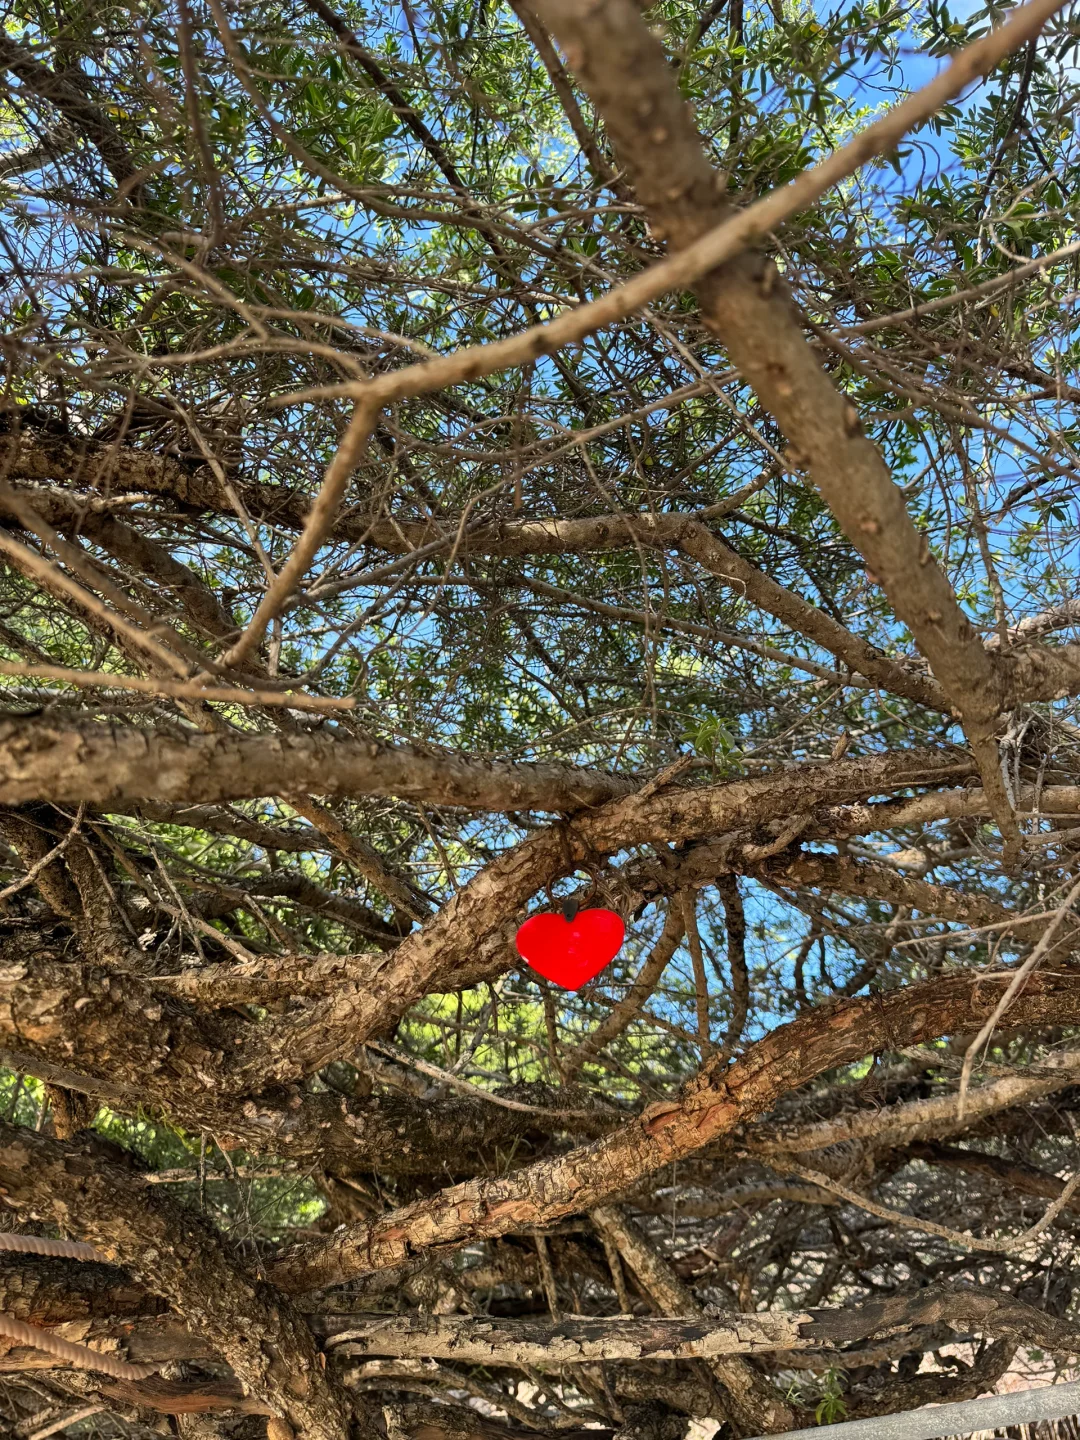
x: 571, y: 952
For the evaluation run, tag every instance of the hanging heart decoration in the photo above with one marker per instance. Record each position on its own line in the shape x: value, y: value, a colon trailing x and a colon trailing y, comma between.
x: 571, y: 952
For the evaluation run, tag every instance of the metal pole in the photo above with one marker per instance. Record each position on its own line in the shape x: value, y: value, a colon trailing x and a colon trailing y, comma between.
x: 1018, y: 1407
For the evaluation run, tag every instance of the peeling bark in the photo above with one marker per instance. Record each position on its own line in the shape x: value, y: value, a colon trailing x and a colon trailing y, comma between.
x: 713, y: 1105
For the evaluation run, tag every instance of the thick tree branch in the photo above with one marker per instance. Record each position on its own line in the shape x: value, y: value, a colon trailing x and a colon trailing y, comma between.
x: 47, y: 1291
x: 492, y: 1341
x: 748, y: 307
x: 435, y: 957
x: 72, y: 761
x: 935, y: 1117
x: 73, y: 103
x: 1028, y: 673
x: 713, y: 1106
x: 176, y: 1253
x: 132, y: 1041
x: 35, y: 454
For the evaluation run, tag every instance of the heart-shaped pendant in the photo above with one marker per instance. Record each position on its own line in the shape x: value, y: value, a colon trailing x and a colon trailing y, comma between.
x: 571, y: 952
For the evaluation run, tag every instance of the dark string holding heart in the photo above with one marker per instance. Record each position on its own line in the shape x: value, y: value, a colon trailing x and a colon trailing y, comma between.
x: 572, y: 948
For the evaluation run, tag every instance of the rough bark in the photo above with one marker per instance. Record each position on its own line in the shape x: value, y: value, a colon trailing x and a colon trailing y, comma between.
x: 177, y: 1254
x: 714, y: 1104
x: 752, y: 1401
x: 45, y: 1291
x: 433, y: 958
x: 102, y: 764
x: 579, y: 1340
x: 132, y: 1039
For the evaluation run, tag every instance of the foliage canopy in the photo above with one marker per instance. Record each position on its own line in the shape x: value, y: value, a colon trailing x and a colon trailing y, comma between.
x: 746, y: 614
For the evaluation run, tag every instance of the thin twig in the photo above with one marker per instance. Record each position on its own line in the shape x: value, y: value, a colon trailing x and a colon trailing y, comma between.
x: 66, y: 1420
x: 475, y: 1092
x: 1011, y: 1246
x: 1006, y: 1000
x: 688, y: 905
x: 172, y: 689
x: 680, y: 270
x: 320, y: 520
x: 39, y: 865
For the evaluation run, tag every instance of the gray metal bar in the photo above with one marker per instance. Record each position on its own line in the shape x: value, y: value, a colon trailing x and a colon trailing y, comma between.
x: 1018, y: 1407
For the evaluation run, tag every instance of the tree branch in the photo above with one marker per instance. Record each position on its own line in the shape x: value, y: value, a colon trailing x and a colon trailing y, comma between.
x: 69, y: 761
x: 435, y: 957
x: 488, y: 1340
x: 72, y: 102
x: 748, y: 307
x: 642, y: 986
x: 754, y: 1403
x: 713, y: 1106
x: 177, y: 1254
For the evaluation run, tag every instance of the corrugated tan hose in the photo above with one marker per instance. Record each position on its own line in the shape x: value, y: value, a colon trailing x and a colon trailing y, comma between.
x: 81, y: 1356
x: 58, y: 1249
